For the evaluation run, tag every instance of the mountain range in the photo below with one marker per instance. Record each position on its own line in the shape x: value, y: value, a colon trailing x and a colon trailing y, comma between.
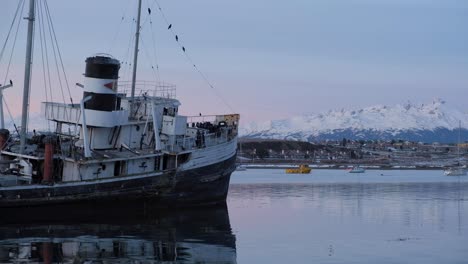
x: 429, y: 122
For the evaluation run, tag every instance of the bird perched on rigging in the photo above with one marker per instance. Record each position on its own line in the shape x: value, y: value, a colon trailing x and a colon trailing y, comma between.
x: 149, y: 11
x: 183, y: 48
x: 169, y: 27
x: 176, y: 38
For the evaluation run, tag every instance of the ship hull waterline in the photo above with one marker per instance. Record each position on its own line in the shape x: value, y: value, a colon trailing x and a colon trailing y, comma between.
x: 207, y: 185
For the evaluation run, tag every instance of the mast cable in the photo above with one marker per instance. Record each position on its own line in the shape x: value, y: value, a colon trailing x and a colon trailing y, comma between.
x: 9, y: 64
x: 11, y: 116
x: 13, y: 47
x: 58, y: 51
x: 128, y: 65
x: 148, y: 55
x: 55, y: 57
x: 154, y: 49
x: 43, y: 45
x: 20, y: 3
x: 124, y: 13
x: 189, y: 59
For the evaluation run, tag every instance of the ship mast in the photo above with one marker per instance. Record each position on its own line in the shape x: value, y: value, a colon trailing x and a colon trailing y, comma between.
x: 27, y: 75
x: 135, y: 57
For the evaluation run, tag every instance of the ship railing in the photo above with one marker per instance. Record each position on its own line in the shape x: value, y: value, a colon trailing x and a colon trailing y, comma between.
x: 201, y: 118
x: 67, y: 113
x: 206, y: 139
x: 212, y: 139
x: 229, y: 119
x: 148, y: 88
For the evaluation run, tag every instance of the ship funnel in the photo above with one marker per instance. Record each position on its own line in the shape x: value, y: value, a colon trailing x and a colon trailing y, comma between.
x: 101, y: 75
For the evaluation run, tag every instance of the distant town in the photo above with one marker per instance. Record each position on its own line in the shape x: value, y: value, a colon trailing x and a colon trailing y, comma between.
x: 391, y: 154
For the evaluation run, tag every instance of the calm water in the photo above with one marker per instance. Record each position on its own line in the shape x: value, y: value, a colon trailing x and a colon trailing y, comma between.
x: 329, y: 216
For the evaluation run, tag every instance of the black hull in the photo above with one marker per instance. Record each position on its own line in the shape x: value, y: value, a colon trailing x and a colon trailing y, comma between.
x: 206, y: 185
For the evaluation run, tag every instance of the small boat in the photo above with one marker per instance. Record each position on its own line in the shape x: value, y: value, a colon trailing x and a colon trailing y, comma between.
x: 241, y: 168
x: 357, y: 169
x: 303, y: 169
x: 455, y: 171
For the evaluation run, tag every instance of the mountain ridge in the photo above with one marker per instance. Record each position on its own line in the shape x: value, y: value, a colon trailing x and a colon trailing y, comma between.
x: 429, y: 122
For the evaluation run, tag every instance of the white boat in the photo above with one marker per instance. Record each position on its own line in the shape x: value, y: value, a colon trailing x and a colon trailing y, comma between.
x: 241, y: 168
x: 123, y: 141
x: 357, y: 169
x: 455, y: 171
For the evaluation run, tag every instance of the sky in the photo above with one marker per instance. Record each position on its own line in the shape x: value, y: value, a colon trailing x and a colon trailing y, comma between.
x: 265, y: 59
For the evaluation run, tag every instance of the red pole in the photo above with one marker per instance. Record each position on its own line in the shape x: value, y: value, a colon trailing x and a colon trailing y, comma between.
x: 47, y: 252
x: 4, y: 134
x: 48, y: 176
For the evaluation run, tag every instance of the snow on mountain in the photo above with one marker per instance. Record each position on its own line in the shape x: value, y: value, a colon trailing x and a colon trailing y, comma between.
x: 430, y: 122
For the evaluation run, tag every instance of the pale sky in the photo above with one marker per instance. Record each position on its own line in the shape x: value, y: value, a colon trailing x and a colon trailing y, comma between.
x: 267, y: 59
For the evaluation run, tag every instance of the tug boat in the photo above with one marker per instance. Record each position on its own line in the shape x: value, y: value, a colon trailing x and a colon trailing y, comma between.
x: 302, y: 169
x: 123, y: 141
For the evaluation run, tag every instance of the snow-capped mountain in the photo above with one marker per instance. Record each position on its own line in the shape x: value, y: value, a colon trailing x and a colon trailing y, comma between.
x: 433, y: 122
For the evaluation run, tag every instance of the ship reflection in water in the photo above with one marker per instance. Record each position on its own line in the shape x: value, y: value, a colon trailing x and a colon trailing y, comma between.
x: 136, y: 235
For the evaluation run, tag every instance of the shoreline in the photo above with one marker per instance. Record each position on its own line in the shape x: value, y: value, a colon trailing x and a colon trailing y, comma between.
x: 343, y: 167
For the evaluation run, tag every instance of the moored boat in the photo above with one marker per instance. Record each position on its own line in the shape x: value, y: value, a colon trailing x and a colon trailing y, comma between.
x: 123, y: 141
x: 302, y: 169
x: 357, y: 169
x: 455, y: 171
x: 241, y: 168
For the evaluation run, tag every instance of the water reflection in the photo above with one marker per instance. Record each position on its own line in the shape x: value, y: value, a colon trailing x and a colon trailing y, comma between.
x: 405, y: 203
x: 136, y: 234
x: 361, y: 222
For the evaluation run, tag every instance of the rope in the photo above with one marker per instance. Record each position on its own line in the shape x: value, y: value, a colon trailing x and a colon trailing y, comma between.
x: 13, y: 47
x: 55, y: 56
x: 152, y: 67
x: 11, y: 116
x: 44, y: 50
x: 189, y: 59
x: 124, y: 13
x: 9, y: 64
x: 154, y: 48
x: 58, y: 51
x: 20, y: 3
x: 128, y: 64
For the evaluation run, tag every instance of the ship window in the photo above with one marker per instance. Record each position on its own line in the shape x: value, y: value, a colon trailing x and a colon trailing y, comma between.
x: 169, y: 162
x: 182, y: 158
x: 117, y: 167
x: 157, y: 162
